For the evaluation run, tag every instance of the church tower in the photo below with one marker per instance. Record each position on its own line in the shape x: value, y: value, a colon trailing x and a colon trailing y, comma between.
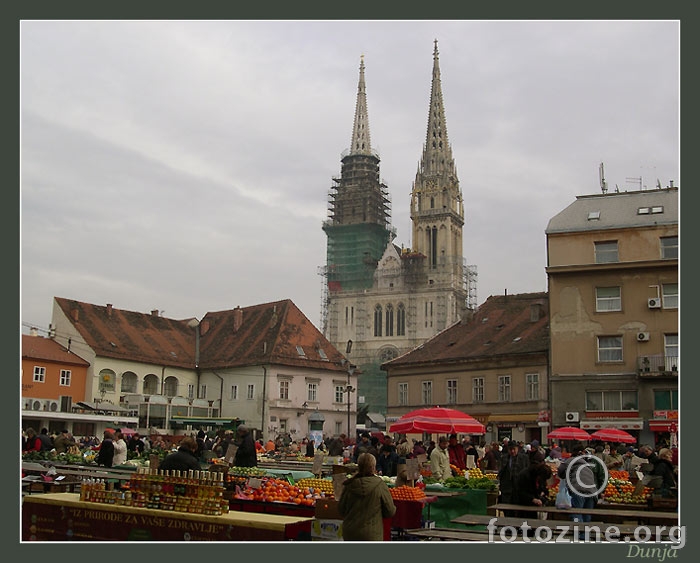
x: 388, y: 300
x: 437, y: 209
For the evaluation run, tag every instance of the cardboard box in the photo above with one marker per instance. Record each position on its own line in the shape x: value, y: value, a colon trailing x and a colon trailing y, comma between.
x: 327, y: 509
x: 327, y: 529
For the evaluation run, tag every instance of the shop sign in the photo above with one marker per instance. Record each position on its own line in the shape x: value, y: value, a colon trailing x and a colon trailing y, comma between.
x: 666, y: 414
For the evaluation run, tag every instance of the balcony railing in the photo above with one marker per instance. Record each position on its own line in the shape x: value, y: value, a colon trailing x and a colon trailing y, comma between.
x: 657, y: 365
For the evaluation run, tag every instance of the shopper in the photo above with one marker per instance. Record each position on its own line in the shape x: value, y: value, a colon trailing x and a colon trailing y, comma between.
x: 120, y: 454
x: 136, y: 444
x: 184, y: 458
x: 105, y: 456
x: 365, y: 502
x: 246, y: 456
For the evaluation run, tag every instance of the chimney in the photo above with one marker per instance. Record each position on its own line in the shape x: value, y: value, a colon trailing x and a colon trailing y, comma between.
x: 237, y: 318
x: 109, y: 310
x: 75, y: 314
x: 203, y: 327
x: 33, y: 331
x: 154, y: 312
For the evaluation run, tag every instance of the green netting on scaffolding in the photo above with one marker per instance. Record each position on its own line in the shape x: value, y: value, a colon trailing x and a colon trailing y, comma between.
x: 353, y: 252
x: 371, y: 385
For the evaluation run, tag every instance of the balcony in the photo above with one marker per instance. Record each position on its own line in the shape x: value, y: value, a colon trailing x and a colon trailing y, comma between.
x: 657, y: 366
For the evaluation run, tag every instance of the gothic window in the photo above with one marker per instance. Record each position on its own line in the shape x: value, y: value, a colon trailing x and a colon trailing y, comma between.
x: 389, y: 320
x: 401, y: 320
x: 378, y: 320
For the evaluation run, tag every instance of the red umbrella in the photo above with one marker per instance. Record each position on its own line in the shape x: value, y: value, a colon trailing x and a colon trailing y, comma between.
x: 437, y: 420
x: 613, y: 435
x: 569, y: 433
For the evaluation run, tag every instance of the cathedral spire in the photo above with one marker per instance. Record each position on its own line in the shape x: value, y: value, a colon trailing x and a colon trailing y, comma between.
x: 437, y: 153
x: 360, y: 130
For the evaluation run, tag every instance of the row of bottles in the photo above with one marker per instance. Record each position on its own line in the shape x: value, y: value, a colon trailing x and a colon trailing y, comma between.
x: 198, y: 492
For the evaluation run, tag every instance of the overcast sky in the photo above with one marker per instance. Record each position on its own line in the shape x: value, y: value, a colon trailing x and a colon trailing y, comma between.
x: 185, y: 165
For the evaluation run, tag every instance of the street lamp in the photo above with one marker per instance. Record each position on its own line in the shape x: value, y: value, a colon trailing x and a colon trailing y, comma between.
x: 349, y: 389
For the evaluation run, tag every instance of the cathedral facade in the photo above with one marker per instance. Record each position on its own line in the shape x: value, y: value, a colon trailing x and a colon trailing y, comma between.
x: 381, y: 301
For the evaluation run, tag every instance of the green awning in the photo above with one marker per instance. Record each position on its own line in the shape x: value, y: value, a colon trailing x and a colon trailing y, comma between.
x: 205, y: 421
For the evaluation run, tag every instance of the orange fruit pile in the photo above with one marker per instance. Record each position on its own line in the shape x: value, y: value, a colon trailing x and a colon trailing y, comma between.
x: 404, y: 492
x: 278, y: 490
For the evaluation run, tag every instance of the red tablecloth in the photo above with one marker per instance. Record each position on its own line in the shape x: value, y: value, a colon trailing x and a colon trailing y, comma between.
x: 409, y: 513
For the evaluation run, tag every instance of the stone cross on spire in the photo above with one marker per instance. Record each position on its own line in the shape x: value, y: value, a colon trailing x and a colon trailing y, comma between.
x: 360, y: 130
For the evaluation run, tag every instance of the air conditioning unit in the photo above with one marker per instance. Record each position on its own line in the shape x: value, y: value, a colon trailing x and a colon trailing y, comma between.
x: 654, y: 303
x: 642, y: 337
x: 51, y: 405
x: 36, y: 405
x: 571, y: 417
x: 28, y: 404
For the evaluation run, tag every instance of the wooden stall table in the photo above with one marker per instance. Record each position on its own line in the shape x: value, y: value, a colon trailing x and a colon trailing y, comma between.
x: 517, y: 522
x: 607, y: 515
x: 64, y: 517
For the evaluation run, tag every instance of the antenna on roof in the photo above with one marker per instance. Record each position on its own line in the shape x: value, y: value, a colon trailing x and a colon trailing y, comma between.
x: 603, y: 183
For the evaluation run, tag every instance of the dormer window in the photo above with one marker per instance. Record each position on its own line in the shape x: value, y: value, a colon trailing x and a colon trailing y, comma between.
x: 301, y: 352
x: 593, y: 215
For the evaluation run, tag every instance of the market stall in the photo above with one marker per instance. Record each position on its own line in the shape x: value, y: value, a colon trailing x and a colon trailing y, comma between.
x: 64, y: 517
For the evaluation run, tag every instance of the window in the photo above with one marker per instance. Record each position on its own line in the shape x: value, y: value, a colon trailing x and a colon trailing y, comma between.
x: 670, y: 295
x: 532, y: 386
x: 129, y: 382
x: 665, y: 399
x: 607, y: 299
x: 669, y: 247
x: 401, y: 320
x: 610, y: 348
x: 170, y: 386
x: 671, y: 352
x: 64, y: 378
x: 322, y: 353
x: 202, y: 391
x: 389, y: 321
x: 593, y: 215
x: 611, y: 401
x: 387, y: 354
x: 234, y: 392
x: 428, y: 313
x: 427, y: 392
x: 504, y: 388
x: 284, y: 389
x: 283, y: 425
x: 39, y: 374
x: 150, y: 384
x: 403, y: 393
x: 606, y: 252
x: 657, y: 209
x: 378, y: 320
x: 643, y: 211
x: 451, y: 391
x: 312, y: 391
x: 339, y: 392
x: 338, y: 427
x: 250, y: 394
x: 300, y: 351
x: 478, y: 390
x: 190, y: 391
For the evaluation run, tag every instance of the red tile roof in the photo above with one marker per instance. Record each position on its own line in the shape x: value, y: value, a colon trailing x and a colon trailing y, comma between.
x: 260, y: 334
x: 502, y: 326
x: 271, y: 333
x: 128, y: 335
x: 39, y: 348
